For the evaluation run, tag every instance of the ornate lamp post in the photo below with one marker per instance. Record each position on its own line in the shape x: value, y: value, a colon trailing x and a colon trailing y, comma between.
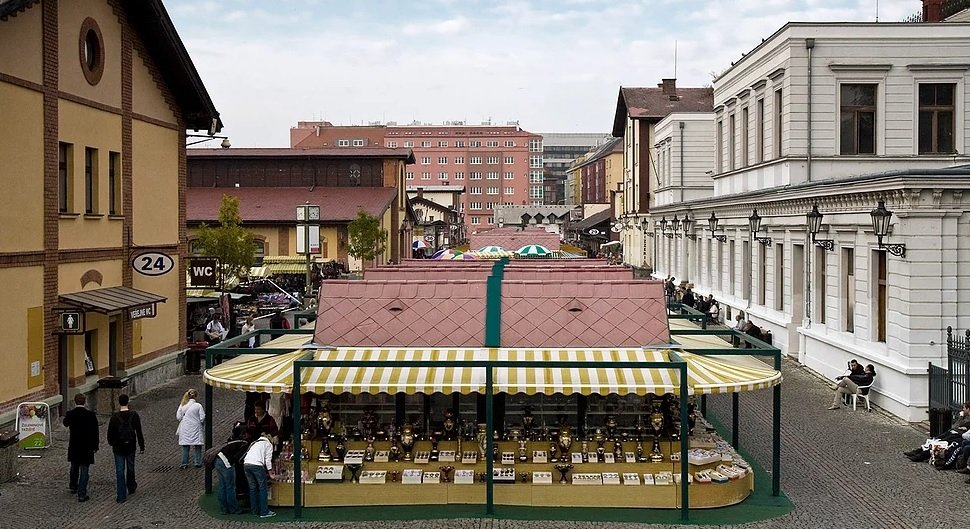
x: 754, y: 225
x: 712, y: 224
x: 688, y: 224
x: 880, y: 225
x: 814, y: 219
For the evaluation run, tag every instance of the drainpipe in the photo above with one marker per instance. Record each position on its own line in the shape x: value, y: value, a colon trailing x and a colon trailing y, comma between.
x: 681, y: 124
x: 810, y: 45
x: 809, y: 248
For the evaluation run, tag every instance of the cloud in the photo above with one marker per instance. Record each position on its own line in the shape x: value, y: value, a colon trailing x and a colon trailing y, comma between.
x: 444, y: 27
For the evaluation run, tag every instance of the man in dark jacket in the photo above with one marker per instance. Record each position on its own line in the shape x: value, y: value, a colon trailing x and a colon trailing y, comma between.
x: 278, y: 321
x: 83, y: 443
x: 124, y: 433
x: 851, y: 384
x: 229, y: 456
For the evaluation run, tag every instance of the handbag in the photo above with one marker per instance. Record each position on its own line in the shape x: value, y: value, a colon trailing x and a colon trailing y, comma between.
x: 178, y: 430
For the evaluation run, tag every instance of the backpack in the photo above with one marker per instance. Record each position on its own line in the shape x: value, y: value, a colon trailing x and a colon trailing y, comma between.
x: 126, y: 432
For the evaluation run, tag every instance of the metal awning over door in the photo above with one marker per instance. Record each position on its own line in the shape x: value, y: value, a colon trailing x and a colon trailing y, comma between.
x: 110, y: 299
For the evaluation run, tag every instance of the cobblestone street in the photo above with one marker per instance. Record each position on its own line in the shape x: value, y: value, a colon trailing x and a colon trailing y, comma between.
x: 840, y: 468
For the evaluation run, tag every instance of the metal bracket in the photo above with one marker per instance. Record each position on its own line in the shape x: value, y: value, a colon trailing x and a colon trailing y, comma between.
x: 899, y: 250
x: 691, y: 237
x: 827, y: 244
x: 669, y: 235
x: 765, y: 241
x: 720, y: 237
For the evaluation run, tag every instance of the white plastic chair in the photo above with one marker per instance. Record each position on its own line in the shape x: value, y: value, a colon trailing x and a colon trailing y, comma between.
x: 860, y: 395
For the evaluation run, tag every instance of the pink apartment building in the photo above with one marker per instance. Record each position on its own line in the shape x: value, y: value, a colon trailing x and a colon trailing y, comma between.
x: 496, y: 164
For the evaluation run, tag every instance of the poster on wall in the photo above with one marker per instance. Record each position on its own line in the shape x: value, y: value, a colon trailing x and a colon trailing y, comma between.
x: 34, y: 425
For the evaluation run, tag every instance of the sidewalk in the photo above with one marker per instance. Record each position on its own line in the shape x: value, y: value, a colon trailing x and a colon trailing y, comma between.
x: 840, y: 468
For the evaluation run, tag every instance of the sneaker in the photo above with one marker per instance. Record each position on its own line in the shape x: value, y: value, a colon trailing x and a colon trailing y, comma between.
x: 83, y: 499
x: 834, y: 407
x: 269, y: 514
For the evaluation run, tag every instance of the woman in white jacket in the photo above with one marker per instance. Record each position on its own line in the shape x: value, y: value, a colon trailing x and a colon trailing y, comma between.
x: 191, y: 418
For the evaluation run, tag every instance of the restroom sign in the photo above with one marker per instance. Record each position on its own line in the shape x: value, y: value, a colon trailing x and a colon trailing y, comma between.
x: 70, y: 322
x: 204, y: 272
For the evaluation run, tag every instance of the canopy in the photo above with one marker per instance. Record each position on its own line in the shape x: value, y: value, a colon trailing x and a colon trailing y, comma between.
x: 490, y: 249
x: 706, y: 374
x: 533, y: 250
x: 446, y: 253
x: 466, y: 256
x: 418, y: 244
x: 493, y: 255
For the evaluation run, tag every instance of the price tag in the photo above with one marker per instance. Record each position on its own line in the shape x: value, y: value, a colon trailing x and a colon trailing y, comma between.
x: 542, y: 478
x: 631, y: 478
x: 464, y: 476
x: 577, y: 457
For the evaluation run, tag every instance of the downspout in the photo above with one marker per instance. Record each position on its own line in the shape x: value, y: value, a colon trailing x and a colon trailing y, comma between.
x: 809, y: 248
x: 809, y: 45
x: 680, y: 125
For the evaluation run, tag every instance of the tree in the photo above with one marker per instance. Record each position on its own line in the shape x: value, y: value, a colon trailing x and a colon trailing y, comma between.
x: 229, y: 242
x: 366, y: 238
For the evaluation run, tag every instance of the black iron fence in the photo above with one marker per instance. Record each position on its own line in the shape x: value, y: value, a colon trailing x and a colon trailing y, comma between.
x: 949, y: 386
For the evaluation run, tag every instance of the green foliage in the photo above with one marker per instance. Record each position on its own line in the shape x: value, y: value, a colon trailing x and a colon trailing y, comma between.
x: 229, y: 242
x: 366, y: 238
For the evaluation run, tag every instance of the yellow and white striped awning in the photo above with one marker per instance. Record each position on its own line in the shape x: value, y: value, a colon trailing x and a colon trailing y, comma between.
x: 706, y: 374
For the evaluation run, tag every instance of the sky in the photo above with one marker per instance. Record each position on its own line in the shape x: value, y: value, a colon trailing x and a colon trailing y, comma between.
x: 551, y: 65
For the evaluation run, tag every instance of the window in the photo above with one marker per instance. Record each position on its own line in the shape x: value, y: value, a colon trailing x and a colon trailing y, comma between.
x: 732, y: 143
x: 442, y: 176
x: 491, y: 143
x: 409, y: 175
x: 490, y: 205
x: 459, y: 143
x: 474, y: 143
x: 848, y: 290
x: 476, y: 220
x: 821, y: 280
x: 426, y: 176
x: 535, y: 177
x: 535, y: 145
x: 443, y: 160
x: 719, y: 146
x: 392, y: 144
x: 746, y: 270
x: 474, y: 175
x: 492, y: 175
x: 425, y: 160
x: 492, y: 160
x: 491, y: 190
x: 65, y: 178
x: 426, y: 144
x: 509, y: 143
x: 535, y: 161
x: 343, y: 143
x: 90, y: 180
x: 759, y: 148
x: 491, y: 220
x: 114, y: 183
x: 474, y: 191
x: 882, y: 295
x: 732, y: 258
x: 358, y: 143
x: 475, y: 160
x: 858, y: 119
x: 778, y: 117
x: 763, y: 274
x: 459, y: 175
x: 780, y: 277
x: 509, y: 160
x: 459, y: 159
x: 509, y: 175
x: 936, y: 118
x: 259, y: 252
x: 535, y: 192
x: 409, y: 144
x: 474, y: 205
x: 442, y: 143
x: 509, y: 190
x: 744, y: 137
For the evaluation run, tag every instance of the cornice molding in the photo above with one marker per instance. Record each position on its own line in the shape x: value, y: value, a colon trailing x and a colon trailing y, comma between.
x: 839, y: 67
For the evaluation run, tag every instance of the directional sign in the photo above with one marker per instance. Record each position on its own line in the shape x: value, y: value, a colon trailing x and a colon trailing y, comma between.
x: 142, y: 311
x: 70, y: 322
x: 153, y: 263
x: 204, y: 272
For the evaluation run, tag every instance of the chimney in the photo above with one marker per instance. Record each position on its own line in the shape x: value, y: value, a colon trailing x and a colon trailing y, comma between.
x: 669, y: 86
x: 420, y: 192
x: 932, y: 10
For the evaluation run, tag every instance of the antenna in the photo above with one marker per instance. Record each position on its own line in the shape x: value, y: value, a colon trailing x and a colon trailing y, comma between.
x: 675, y: 59
x: 877, y: 10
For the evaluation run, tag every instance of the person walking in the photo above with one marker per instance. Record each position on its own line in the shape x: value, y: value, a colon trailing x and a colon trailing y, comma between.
x: 231, y: 454
x: 191, y: 417
x: 278, y: 321
x: 125, y: 436
x: 257, y: 462
x: 81, y: 446
x: 249, y: 327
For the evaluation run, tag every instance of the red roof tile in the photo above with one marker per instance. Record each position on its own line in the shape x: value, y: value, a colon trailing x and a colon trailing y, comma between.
x: 282, y: 152
x: 278, y: 204
x: 652, y: 103
x: 512, y: 238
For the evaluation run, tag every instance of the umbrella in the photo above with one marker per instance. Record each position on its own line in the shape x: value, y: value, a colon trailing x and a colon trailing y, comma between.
x: 463, y: 256
x: 419, y: 244
x: 490, y: 249
x: 447, y: 253
x: 533, y: 250
x: 493, y: 255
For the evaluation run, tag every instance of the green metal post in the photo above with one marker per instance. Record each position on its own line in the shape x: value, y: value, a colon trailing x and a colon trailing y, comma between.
x: 704, y: 406
x: 684, y: 490
x: 208, y: 423
x: 776, y: 433
x: 735, y: 419
x: 489, y: 444
x: 297, y: 446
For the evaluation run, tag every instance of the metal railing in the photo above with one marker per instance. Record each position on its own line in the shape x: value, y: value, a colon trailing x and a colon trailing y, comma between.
x: 949, y: 386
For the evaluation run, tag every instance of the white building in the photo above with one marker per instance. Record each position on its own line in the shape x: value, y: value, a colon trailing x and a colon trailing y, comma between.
x: 838, y: 115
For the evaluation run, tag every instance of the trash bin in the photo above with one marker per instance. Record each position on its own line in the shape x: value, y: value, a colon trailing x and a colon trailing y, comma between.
x: 193, y: 357
x: 8, y: 456
x: 940, y: 421
x: 108, y: 390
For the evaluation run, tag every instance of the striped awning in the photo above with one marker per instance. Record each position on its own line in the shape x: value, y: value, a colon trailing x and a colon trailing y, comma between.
x: 706, y: 374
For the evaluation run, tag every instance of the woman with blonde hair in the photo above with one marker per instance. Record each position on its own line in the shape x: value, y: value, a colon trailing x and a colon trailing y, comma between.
x: 191, y: 418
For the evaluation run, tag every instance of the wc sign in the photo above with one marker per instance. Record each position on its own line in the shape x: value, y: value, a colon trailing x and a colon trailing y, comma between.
x: 204, y: 272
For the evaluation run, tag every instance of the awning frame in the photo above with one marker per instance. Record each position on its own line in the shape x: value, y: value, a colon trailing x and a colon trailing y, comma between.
x: 109, y: 300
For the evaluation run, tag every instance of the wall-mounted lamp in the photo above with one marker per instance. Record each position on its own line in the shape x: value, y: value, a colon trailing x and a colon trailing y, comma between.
x: 814, y: 219
x: 880, y: 225
x: 754, y: 225
x: 688, y: 227
x: 712, y: 224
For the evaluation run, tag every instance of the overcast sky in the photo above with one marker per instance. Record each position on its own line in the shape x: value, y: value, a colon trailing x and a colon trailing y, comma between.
x: 553, y: 65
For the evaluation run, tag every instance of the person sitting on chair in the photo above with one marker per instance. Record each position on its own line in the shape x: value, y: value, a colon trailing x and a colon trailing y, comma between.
x: 849, y: 385
x: 215, y: 331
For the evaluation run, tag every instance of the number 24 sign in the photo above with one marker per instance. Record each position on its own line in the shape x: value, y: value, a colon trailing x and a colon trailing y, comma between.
x: 153, y: 263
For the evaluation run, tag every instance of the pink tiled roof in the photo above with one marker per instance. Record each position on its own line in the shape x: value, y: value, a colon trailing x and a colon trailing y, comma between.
x: 278, y: 204
x: 401, y: 313
x: 281, y: 152
x: 428, y: 273
x: 583, y: 314
x: 569, y: 274
x: 513, y: 238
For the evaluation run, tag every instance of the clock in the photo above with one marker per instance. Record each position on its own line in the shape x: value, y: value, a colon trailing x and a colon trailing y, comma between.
x: 314, y: 212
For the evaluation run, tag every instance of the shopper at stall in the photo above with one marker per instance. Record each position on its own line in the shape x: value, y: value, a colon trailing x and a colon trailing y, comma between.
x: 278, y: 321
x: 191, y: 417
x: 257, y: 462
x: 124, y: 436
x: 81, y: 446
x: 849, y: 385
x: 215, y: 331
x: 261, y: 423
x: 959, y: 427
x: 224, y: 463
x: 248, y: 327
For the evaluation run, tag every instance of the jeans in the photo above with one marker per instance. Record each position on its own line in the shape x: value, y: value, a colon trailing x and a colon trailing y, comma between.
x: 258, y: 489
x: 844, y: 387
x: 198, y: 455
x: 79, y: 479
x: 227, y: 487
x: 125, y: 475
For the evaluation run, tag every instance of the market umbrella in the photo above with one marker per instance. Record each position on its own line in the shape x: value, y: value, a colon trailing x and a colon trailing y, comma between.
x: 464, y: 256
x: 419, y: 244
x: 447, y: 253
x: 533, y: 250
x: 490, y: 249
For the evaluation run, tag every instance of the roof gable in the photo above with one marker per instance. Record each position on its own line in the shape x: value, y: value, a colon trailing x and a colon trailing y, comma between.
x: 278, y: 204
x: 653, y: 105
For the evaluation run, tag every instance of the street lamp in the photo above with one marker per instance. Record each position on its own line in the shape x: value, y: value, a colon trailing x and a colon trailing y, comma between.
x: 880, y: 225
x: 814, y: 219
x: 688, y: 225
x: 308, y: 239
x: 712, y: 224
x: 754, y: 225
